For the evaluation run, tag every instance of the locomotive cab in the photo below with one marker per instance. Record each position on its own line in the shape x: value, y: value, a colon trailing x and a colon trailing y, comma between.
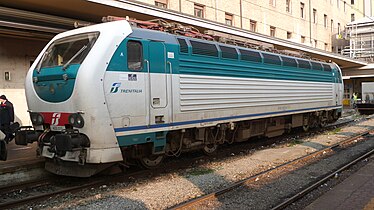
x: 53, y: 80
x: 66, y: 99
x: 55, y: 74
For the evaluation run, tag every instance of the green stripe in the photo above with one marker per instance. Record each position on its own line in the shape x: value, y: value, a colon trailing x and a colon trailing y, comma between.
x: 249, y: 70
x: 157, y: 138
x: 214, y: 66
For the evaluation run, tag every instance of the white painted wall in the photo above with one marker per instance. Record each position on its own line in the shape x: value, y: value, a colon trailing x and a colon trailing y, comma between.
x: 16, y: 56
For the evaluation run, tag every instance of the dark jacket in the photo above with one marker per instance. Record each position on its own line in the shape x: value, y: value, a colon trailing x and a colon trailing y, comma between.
x: 6, y: 113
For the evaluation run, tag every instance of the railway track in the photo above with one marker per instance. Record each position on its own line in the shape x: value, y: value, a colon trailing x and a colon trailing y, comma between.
x: 317, y: 184
x: 54, y: 187
x: 90, y: 183
x: 191, y: 204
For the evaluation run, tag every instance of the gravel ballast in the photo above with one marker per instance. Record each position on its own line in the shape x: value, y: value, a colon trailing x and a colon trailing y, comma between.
x: 172, y: 188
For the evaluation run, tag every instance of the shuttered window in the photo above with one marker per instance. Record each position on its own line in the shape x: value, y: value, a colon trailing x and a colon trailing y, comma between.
x: 228, y: 52
x: 201, y: 48
x: 183, y: 45
x: 289, y: 62
x: 303, y: 64
x: 316, y: 66
x: 326, y: 67
x: 249, y: 55
x: 271, y: 59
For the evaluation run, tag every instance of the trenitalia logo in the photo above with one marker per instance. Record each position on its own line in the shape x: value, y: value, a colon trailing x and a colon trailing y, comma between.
x: 115, y: 87
x: 55, y: 118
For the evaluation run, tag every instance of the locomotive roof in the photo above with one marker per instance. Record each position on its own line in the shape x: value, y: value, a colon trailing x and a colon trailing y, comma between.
x: 153, y: 35
x: 172, y: 39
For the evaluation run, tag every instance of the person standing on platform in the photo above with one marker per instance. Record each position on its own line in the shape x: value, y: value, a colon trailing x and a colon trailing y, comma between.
x: 355, y: 97
x: 6, y: 118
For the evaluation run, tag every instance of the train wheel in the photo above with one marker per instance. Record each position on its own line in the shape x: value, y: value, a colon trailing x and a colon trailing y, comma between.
x: 306, y: 128
x: 209, y: 149
x: 323, y: 123
x: 335, y: 115
x: 152, y: 161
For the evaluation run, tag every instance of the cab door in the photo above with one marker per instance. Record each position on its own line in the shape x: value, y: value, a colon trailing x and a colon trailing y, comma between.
x: 159, y: 85
x: 340, y: 86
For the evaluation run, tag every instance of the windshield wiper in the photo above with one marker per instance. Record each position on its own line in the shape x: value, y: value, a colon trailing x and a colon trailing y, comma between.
x: 74, y: 56
x: 41, y: 61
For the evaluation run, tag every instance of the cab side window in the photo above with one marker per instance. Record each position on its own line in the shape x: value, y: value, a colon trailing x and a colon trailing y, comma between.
x: 134, y: 55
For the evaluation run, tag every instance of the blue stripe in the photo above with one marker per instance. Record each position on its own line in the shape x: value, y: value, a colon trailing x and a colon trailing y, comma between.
x: 145, y: 127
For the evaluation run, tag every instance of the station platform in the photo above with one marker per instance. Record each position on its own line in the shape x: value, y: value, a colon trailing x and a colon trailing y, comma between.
x: 20, y: 157
x: 356, y: 192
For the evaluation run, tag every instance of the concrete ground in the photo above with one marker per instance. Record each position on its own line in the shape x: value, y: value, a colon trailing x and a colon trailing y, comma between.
x: 356, y: 192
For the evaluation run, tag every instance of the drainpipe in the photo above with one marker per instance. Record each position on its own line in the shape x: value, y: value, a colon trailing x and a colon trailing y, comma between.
x: 215, y: 4
x: 241, y: 13
x: 310, y: 23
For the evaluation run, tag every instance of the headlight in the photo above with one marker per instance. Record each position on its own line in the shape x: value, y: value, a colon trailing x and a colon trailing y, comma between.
x: 36, y: 118
x: 76, y: 120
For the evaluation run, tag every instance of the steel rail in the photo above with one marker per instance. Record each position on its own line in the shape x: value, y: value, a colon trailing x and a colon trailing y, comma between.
x: 240, y: 183
x: 119, y: 177
x: 94, y: 183
x: 15, y: 203
x: 302, y: 193
x: 23, y: 185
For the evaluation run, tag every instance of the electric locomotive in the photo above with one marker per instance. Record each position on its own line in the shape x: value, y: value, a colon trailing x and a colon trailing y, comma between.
x: 115, y: 94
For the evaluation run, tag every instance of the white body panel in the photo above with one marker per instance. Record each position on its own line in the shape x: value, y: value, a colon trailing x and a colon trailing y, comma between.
x: 88, y: 95
x: 200, y: 101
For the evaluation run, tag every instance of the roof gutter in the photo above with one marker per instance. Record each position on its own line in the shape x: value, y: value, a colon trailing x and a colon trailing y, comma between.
x: 192, y: 20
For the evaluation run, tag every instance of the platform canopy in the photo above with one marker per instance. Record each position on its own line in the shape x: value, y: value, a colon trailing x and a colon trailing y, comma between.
x: 42, y: 19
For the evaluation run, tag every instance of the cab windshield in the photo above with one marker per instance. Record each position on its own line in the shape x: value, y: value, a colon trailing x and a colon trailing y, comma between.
x: 68, y: 50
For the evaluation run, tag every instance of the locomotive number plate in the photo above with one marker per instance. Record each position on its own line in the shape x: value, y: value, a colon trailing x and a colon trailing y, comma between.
x: 57, y: 128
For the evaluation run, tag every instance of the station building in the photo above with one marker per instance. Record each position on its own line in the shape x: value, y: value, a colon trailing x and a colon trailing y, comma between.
x: 360, y: 35
x: 315, y: 28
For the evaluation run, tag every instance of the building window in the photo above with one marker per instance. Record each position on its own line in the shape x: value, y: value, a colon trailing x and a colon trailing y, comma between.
x: 338, y: 28
x: 344, y: 6
x: 347, y: 93
x: 253, y: 25
x: 352, y: 2
x: 314, y: 16
x: 302, y: 12
x: 272, y: 3
x: 199, y: 10
x: 353, y: 17
x: 229, y: 19
x: 288, y: 5
x: 332, y: 25
x: 162, y: 3
x: 302, y: 39
x: 326, y: 46
x: 315, y: 43
x: 325, y: 21
x: 272, y: 31
x: 289, y: 35
x: 134, y: 55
